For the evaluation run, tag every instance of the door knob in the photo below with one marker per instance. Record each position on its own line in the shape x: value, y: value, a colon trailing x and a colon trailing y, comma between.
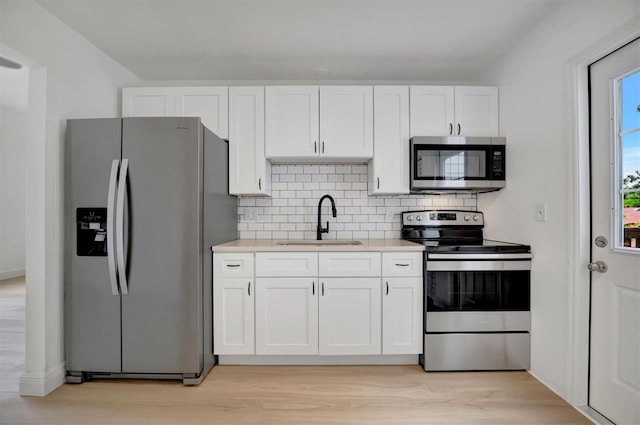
x: 598, y: 266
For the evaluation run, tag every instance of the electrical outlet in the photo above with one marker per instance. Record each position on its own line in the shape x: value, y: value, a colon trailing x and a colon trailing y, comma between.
x: 541, y: 211
x: 389, y: 214
x: 250, y: 213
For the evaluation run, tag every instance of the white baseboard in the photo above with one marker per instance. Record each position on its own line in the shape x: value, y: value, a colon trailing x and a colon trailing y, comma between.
x: 11, y: 273
x: 312, y: 360
x: 32, y: 384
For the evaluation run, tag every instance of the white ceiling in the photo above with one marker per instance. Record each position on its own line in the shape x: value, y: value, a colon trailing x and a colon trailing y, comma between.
x: 379, y: 40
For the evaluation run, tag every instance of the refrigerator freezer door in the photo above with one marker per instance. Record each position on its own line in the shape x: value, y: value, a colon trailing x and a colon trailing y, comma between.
x: 92, y: 312
x: 162, y: 314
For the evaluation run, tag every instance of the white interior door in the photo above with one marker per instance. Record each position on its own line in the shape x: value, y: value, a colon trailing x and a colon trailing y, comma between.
x: 614, y: 387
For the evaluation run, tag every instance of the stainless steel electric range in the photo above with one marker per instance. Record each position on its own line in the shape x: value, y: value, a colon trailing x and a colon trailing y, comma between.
x: 477, y: 293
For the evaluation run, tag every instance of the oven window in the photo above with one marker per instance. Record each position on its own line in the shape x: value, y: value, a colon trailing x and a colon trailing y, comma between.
x: 451, y: 164
x: 478, y: 291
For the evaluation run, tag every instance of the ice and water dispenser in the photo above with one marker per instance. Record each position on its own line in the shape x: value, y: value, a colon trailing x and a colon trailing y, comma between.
x: 91, y: 232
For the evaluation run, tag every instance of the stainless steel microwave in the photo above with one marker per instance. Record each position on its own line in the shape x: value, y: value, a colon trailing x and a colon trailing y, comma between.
x: 456, y: 163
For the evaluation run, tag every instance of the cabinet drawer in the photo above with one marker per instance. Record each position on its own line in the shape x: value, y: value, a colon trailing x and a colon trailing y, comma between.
x: 402, y: 264
x: 232, y: 264
x: 283, y: 264
x: 345, y: 264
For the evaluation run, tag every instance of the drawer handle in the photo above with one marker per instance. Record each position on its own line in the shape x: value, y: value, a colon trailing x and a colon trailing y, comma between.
x: 233, y: 265
x: 402, y: 265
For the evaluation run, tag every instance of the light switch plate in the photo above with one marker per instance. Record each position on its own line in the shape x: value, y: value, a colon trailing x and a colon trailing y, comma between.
x: 541, y: 211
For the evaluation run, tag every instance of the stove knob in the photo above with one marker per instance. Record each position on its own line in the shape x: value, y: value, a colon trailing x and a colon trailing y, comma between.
x: 476, y: 217
x: 467, y: 217
x: 409, y: 218
x: 419, y: 218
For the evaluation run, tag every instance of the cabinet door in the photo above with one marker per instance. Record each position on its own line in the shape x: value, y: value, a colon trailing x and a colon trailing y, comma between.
x: 350, y: 318
x: 147, y: 102
x: 233, y: 318
x: 346, y: 121
x: 402, y: 315
x: 249, y: 171
x: 432, y: 110
x: 287, y: 316
x: 292, y: 121
x: 389, y: 170
x: 476, y: 111
x: 208, y: 103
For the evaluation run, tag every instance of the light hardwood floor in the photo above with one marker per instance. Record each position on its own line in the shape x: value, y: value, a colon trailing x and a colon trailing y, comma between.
x: 295, y: 395
x: 12, y: 324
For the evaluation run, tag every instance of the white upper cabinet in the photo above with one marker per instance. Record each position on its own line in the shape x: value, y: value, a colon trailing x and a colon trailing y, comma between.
x: 148, y: 102
x: 292, y: 121
x: 476, y: 111
x: 388, y: 171
x: 208, y: 103
x: 432, y: 109
x: 249, y: 171
x: 453, y: 111
x: 311, y: 122
x: 346, y: 121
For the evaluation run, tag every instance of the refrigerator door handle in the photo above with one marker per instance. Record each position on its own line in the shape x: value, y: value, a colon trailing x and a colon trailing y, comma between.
x: 122, y: 188
x: 111, y: 246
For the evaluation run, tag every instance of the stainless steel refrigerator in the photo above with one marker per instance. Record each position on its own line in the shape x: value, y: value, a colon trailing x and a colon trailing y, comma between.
x: 145, y: 199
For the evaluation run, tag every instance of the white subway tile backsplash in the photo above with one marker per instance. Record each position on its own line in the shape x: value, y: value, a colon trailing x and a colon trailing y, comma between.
x: 291, y: 211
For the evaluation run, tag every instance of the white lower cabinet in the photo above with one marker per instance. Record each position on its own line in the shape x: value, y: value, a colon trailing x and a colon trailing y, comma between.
x: 310, y: 303
x: 233, y: 315
x: 350, y: 316
x: 402, y: 315
x: 286, y: 315
x: 402, y: 303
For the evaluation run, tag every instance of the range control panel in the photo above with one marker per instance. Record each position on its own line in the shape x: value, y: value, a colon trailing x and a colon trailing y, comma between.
x: 442, y: 218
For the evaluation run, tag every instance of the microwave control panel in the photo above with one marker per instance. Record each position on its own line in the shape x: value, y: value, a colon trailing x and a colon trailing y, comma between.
x: 497, y: 163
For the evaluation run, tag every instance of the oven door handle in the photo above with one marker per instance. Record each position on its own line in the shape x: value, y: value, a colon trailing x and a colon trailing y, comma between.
x: 479, y: 257
x: 473, y: 266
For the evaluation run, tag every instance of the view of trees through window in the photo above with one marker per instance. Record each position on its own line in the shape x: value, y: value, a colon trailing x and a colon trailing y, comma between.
x: 629, y: 136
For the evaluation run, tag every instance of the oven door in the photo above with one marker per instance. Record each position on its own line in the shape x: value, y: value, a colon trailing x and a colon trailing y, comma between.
x: 477, y: 295
x: 472, y: 163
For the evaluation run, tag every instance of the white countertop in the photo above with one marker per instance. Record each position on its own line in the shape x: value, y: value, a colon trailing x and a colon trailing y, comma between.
x: 255, y: 245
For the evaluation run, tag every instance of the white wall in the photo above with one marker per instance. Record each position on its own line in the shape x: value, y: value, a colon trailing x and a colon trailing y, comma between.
x: 534, y: 88
x: 81, y: 81
x: 13, y: 134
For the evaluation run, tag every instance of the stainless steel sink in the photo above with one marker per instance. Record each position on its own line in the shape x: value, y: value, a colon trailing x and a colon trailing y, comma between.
x: 327, y: 242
